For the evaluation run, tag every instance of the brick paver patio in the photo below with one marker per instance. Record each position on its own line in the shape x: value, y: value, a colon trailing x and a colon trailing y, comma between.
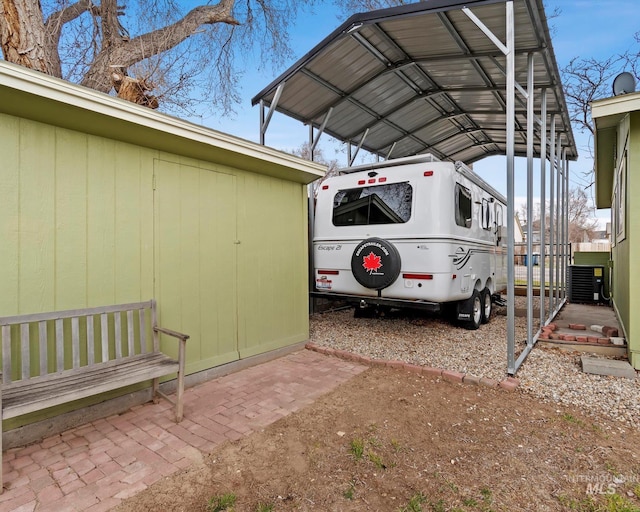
x: 96, y: 466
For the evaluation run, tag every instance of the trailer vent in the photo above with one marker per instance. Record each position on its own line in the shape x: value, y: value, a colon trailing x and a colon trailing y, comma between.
x: 586, y: 284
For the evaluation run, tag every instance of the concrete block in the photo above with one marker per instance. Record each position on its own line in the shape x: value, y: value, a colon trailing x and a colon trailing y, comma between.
x: 617, y: 340
x: 613, y: 367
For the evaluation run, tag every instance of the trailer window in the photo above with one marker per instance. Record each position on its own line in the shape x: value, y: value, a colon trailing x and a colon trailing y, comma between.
x: 486, y: 214
x: 499, y: 223
x: 463, y: 206
x: 380, y: 204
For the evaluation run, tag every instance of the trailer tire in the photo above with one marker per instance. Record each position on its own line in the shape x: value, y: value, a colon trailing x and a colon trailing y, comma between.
x: 470, y: 311
x: 375, y: 263
x: 487, y: 305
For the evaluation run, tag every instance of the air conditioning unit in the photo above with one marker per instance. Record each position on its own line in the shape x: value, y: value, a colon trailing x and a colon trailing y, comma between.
x: 586, y: 284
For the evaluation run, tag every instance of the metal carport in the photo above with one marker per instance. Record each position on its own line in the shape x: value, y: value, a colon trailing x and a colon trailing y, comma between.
x: 462, y: 80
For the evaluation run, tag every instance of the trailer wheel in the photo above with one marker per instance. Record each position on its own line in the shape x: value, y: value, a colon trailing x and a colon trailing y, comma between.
x: 470, y: 311
x: 375, y: 263
x: 487, y: 305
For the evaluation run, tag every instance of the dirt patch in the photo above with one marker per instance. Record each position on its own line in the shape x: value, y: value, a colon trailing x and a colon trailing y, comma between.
x: 390, y: 440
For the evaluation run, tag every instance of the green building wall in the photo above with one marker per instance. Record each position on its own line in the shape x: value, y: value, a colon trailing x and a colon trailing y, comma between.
x: 89, y: 221
x: 627, y: 255
x: 626, y: 252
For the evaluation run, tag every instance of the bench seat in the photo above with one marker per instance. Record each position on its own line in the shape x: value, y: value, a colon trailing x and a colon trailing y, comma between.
x: 54, y: 358
x: 37, y: 393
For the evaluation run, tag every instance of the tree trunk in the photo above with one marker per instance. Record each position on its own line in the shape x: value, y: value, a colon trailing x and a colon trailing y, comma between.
x: 26, y: 39
x: 23, y: 35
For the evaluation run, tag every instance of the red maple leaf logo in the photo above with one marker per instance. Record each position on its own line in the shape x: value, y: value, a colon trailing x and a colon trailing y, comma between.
x: 372, y: 262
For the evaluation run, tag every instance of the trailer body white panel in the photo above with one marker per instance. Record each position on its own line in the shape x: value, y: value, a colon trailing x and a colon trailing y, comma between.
x: 443, y: 225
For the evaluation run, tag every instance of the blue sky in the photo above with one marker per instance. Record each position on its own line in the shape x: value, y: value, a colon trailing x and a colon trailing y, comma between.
x: 584, y: 28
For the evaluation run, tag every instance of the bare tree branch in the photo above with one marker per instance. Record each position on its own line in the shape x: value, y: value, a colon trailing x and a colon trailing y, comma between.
x: 582, y: 227
x: 165, y: 38
x: 119, y: 51
x: 190, y: 57
x: 53, y: 30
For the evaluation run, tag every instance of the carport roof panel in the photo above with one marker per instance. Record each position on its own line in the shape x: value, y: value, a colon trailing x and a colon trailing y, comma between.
x: 424, y: 78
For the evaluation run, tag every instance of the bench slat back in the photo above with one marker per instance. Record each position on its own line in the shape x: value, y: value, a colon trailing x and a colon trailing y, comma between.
x: 54, y: 342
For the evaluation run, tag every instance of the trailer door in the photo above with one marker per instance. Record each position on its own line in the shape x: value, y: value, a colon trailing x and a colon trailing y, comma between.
x: 499, y: 255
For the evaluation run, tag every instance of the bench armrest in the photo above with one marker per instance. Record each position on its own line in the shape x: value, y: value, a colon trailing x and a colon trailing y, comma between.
x: 181, y: 366
x: 175, y: 334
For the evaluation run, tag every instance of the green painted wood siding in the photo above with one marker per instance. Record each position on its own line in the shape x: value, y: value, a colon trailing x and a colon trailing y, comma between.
x: 630, y: 276
x: 195, y: 228
x: 625, y: 253
x: 232, y: 260
x: 73, y: 211
x: 82, y: 226
x: 273, y: 302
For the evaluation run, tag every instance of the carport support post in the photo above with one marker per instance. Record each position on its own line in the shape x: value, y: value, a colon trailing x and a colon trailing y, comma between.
x: 543, y: 203
x: 552, y: 232
x: 353, y: 157
x: 565, y: 217
x: 265, y: 120
x: 510, y: 121
x: 313, y: 142
x: 559, y: 238
x: 530, y: 117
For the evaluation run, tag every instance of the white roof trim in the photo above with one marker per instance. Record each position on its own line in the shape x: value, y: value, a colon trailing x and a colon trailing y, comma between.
x: 44, y: 86
x: 615, y: 105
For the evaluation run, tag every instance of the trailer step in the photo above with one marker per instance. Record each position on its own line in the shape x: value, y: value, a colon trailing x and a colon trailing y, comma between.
x: 499, y: 300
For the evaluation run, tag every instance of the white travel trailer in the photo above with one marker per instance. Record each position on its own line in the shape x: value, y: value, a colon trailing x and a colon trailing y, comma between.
x: 411, y: 232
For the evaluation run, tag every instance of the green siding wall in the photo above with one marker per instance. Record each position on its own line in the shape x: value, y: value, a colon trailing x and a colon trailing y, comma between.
x: 223, y: 250
x: 272, y: 264
x: 232, y: 260
x: 195, y: 229
x: 73, y: 212
x: 625, y: 253
x: 621, y: 282
x: 630, y: 254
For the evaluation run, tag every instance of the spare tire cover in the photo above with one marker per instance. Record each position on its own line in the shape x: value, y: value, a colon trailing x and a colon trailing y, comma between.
x: 375, y: 263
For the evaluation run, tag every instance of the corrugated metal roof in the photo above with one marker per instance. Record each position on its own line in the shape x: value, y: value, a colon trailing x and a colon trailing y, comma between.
x: 424, y: 78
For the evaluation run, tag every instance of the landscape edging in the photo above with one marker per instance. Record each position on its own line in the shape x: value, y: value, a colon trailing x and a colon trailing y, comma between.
x: 508, y: 384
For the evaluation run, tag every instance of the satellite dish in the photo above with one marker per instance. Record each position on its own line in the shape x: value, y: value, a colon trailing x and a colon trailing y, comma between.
x: 624, y: 83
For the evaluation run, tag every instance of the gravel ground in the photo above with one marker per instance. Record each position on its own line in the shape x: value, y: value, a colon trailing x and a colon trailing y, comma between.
x: 549, y: 374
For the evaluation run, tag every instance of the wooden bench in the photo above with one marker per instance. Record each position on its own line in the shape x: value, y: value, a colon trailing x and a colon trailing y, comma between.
x: 50, y: 359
